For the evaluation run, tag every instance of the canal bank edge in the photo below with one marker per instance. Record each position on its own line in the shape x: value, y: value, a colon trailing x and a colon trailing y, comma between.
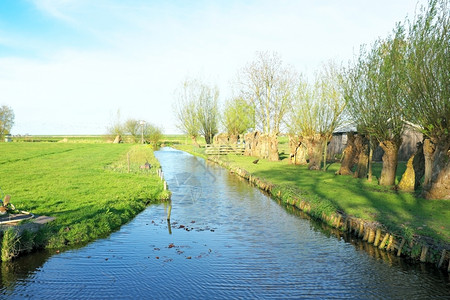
x: 422, y: 249
x: 23, y: 237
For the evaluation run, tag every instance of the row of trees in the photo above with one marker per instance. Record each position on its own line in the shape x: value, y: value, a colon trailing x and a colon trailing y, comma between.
x: 197, y: 109
x: 198, y: 114
x: 398, y: 81
x: 404, y: 80
x: 6, y: 120
x: 138, y: 131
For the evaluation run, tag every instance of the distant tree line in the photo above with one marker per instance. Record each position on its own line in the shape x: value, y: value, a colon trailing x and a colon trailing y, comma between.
x: 137, y: 131
x: 397, y: 82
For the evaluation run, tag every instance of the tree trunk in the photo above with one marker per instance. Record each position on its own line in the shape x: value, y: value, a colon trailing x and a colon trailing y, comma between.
x: 233, y: 139
x: 349, y: 156
x: 256, y: 147
x: 248, y: 138
x: 325, y: 150
x: 315, y: 146
x: 428, y: 151
x: 273, y: 148
x: 439, y: 184
x: 415, y: 168
x: 194, y: 141
x: 362, y: 146
x: 390, y: 160
x: 297, y: 155
x: 369, y: 160
x: 209, y: 138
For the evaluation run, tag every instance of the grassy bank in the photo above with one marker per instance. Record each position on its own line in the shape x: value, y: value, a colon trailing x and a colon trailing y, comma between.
x: 405, y: 214
x: 87, y: 187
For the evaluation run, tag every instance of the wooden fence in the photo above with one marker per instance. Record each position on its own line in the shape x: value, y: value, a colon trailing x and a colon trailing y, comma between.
x: 224, y: 149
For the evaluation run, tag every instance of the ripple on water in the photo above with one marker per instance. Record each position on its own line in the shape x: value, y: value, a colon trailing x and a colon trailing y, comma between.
x: 227, y: 240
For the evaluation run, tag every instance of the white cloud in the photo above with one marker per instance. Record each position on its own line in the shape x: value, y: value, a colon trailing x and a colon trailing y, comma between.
x: 145, y: 51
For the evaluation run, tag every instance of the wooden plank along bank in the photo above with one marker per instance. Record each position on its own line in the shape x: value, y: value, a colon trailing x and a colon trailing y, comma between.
x: 420, y: 249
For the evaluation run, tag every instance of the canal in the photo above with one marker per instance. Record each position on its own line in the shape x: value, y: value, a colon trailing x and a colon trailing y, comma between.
x: 226, y: 240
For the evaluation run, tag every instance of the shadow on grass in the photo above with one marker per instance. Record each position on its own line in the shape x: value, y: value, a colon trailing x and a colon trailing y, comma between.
x: 400, y: 212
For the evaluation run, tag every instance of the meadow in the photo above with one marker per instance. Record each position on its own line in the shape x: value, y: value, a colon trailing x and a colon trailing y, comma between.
x: 86, y: 186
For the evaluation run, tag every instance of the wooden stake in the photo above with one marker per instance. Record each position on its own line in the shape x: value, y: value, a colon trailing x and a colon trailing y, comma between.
x: 383, y: 242
x: 338, y: 222
x: 390, y: 245
x: 371, y: 236
x: 377, y: 238
x: 441, y: 261
x: 169, y: 211
x: 165, y: 185
x: 169, y: 226
x: 423, y: 256
x: 366, y: 234
x: 361, y: 229
x: 400, y: 247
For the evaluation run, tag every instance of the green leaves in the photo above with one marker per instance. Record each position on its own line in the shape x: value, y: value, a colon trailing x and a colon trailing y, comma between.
x: 238, y: 116
x: 6, y: 120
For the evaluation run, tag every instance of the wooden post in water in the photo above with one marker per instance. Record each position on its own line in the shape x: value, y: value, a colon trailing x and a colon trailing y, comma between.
x: 390, y: 245
x: 169, y: 226
x: 423, y: 255
x: 377, y: 238
x: 338, y: 222
x: 366, y: 234
x: 383, y: 242
x: 400, y: 247
x: 165, y: 185
x: 371, y: 236
x: 361, y: 229
x: 441, y: 261
x: 169, y: 211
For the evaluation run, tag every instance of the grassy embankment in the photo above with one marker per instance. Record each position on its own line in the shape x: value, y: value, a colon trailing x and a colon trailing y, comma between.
x: 403, y: 213
x: 86, y: 186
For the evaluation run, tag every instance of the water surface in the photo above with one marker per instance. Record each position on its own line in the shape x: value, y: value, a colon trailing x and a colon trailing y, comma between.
x: 226, y: 240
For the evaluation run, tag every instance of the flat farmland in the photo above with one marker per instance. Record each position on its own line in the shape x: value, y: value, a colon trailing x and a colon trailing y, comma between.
x: 87, y: 187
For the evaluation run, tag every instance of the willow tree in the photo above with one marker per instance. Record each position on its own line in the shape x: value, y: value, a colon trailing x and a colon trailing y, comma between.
x: 267, y: 84
x: 317, y: 112
x: 427, y: 101
x: 132, y: 127
x: 238, y: 116
x: 152, y: 133
x: 6, y: 120
x: 185, y: 109
x: 208, y: 111
x: 377, y: 87
x: 197, y: 110
x: 116, y: 130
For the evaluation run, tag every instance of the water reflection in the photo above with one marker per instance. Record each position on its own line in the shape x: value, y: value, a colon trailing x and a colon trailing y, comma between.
x: 22, y: 268
x: 224, y: 240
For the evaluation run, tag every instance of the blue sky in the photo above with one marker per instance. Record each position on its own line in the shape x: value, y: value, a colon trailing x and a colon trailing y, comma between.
x: 67, y: 66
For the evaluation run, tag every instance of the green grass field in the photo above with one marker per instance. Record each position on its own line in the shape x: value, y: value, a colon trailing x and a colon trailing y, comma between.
x: 86, y: 186
x: 399, y: 211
